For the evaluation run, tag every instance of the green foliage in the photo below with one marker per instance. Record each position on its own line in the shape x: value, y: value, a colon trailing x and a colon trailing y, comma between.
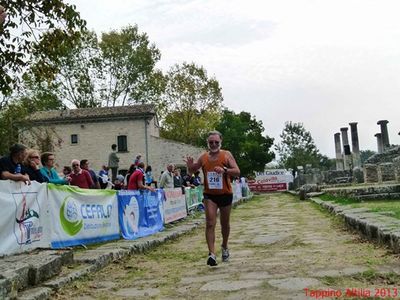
x: 13, y: 119
x: 22, y: 31
x: 191, y: 104
x: 242, y: 135
x: 365, y: 154
x: 128, y: 67
x: 297, y: 147
x: 118, y: 70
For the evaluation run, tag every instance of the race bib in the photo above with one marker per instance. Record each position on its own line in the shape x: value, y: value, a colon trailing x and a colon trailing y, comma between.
x: 214, y: 181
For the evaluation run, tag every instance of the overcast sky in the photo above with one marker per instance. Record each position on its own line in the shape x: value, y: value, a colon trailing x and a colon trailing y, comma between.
x: 324, y: 63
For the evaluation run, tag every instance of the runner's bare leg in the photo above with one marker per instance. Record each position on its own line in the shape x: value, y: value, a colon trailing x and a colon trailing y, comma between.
x: 211, y: 219
x: 225, y: 213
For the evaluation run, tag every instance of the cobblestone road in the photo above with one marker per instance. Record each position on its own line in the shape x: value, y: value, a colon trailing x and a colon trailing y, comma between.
x: 281, y: 248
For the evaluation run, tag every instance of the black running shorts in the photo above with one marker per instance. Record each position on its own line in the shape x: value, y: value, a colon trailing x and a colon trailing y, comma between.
x: 221, y: 200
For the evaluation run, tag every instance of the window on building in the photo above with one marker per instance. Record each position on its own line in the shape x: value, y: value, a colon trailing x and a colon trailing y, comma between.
x: 122, y: 143
x: 74, y: 139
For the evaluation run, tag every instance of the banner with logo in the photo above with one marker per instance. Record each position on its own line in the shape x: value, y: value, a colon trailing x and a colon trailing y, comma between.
x: 82, y: 216
x: 174, y: 205
x: 193, y: 196
x: 271, y: 181
x: 237, y: 191
x: 24, y: 220
x: 140, y: 213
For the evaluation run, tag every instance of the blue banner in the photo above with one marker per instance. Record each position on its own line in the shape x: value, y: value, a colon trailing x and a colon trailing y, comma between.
x: 140, y: 213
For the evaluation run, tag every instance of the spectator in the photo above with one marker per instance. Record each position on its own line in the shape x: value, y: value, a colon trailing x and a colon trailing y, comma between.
x: 167, y: 179
x: 80, y: 177
x: 32, y: 165
x: 119, y: 183
x: 196, y: 178
x: 177, y: 178
x: 149, y: 177
x: 85, y: 166
x: 66, y: 171
x: 103, y: 177
x: 187, y: 180
x: 113, y: 161
x: 136, y: 181
x: 137, y: 160
x: 11, y: 166
x: 48, y: 171
x: 132, y: 169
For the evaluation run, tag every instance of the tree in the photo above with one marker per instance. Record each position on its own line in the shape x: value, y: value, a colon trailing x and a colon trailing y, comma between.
x: 365, y: 154
x: 22, y: 30
x: 297, y: 147
x: 242, y: 135
x: 191, y: 104
x: 118, y: 70
x: 128, y: 67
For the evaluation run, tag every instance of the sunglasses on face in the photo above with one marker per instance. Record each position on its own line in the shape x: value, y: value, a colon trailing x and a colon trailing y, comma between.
x: 75, y: 165
x: 37, y: 157
x: 213, y: 142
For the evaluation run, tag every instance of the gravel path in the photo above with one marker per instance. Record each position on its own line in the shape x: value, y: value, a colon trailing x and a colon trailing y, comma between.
x: 281, y: 248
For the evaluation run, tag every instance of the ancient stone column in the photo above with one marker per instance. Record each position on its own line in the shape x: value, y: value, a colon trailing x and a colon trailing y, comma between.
x: 379, y: 142
x: 338, y: 151
x: 385, y: 134
x: 355, y: 145
x: 345, y: 142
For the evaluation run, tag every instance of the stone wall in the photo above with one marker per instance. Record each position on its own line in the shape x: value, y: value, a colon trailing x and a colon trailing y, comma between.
x: 370, y: 173
x: 386, y: 156
x: 336, y: 176
x: 396, y: 164
x: 95, y: 140
x: 386, y: 172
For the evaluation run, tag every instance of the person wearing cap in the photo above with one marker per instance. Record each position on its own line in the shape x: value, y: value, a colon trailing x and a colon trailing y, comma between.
x: 11, y: 167
x: 119, y: 182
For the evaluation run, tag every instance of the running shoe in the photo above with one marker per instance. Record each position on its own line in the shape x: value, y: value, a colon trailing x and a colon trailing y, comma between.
x: 225, y: 254
x: 212, y: 260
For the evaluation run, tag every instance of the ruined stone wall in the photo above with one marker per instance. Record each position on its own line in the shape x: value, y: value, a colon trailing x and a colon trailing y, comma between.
x: 370, y: 173
x: 386, y: 156
x: 386, y: 172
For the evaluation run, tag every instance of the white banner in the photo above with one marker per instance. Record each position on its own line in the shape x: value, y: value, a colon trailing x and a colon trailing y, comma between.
x: 24, y: 220
x: 82, y: 216
x: 174, y: 205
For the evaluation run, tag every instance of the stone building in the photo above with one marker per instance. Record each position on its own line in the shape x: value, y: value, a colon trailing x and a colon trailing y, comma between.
x: 88, y: 133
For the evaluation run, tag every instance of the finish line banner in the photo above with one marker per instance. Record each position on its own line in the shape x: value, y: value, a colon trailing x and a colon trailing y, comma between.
x: 24, y: 220
x: 140, y: 213
x: 82, y: 216
x: 271, y: 181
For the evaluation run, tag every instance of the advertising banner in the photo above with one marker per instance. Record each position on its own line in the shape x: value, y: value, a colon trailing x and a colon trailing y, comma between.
x: 271, y: 181
x: 193, y: 196
x: 174, y: 205
x: 82, y: 216
x: 24, y: 220
x: 237, y: 191
x: 140, y: 213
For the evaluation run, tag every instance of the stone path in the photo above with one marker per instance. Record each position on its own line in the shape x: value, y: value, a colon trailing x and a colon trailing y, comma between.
x: 281, y: 248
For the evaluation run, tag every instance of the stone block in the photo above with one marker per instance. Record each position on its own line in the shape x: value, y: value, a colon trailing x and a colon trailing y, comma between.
x: 370, y: 173
x: 386, y: 172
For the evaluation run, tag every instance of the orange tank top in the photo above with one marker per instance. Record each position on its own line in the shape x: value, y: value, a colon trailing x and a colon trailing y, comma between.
x: 215, y: 184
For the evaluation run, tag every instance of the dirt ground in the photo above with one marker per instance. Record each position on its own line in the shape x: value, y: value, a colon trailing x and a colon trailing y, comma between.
x: 281, y: 248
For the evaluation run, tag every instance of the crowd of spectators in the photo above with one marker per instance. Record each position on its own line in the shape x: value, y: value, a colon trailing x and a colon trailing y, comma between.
x: 26, y: 165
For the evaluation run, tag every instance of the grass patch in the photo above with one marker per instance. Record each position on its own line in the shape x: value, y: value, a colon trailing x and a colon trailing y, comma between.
x: 338, y: 200
x: 390, y: 207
